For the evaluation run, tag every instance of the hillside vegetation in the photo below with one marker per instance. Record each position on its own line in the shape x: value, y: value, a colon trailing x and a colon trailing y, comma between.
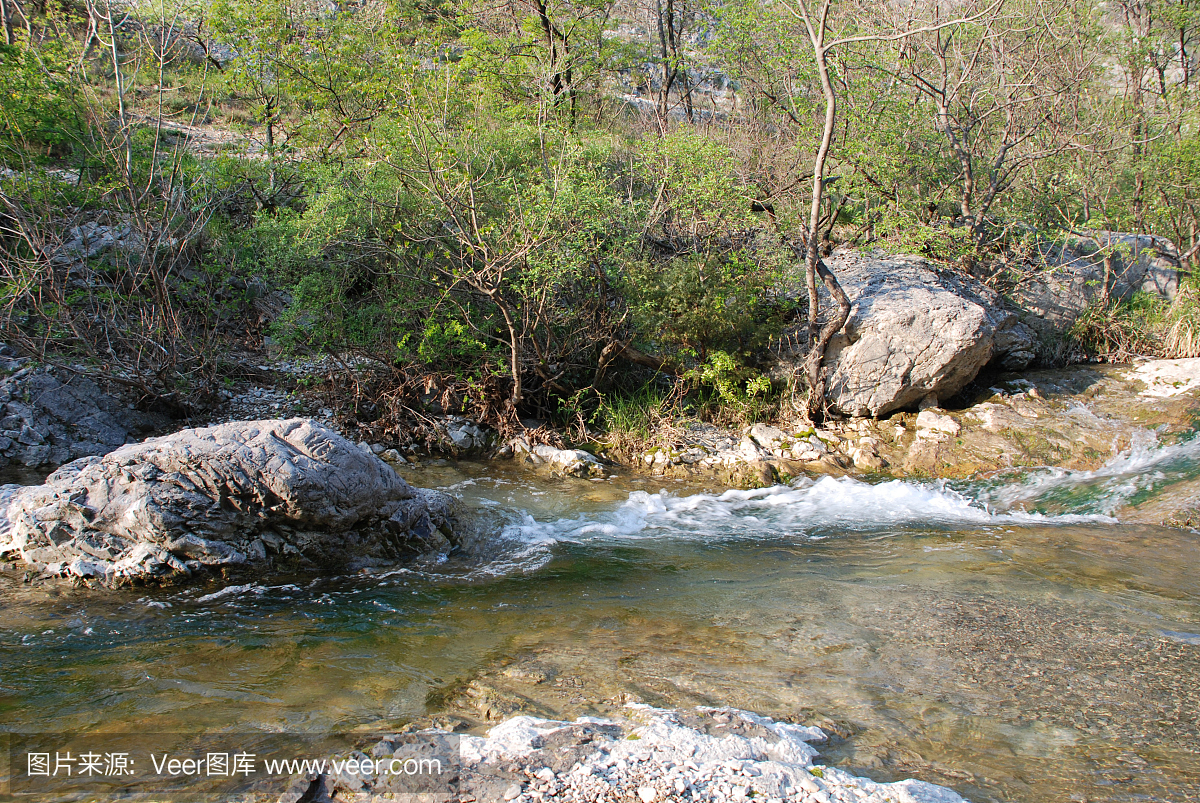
x: 586, y: 211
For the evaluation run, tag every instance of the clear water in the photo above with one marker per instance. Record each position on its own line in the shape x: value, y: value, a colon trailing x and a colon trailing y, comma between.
x: 1011, y: 640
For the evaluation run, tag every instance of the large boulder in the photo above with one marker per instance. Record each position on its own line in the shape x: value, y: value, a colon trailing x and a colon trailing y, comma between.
x: 254, y: 493
x: 1072, y: 276
x: 915, y: 331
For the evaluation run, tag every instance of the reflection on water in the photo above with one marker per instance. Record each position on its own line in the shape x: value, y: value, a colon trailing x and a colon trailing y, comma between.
x: 1013, y: 656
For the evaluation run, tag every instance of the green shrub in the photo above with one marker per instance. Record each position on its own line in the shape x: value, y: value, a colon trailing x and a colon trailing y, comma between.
x: 695, y: 304
x: 40, y: 109
x: 731, y: 393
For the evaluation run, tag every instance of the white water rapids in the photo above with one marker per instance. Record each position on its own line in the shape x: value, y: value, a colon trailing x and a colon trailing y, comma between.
x: 810, y: 510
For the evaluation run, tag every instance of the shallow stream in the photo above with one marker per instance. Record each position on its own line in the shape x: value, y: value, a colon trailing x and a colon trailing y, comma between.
x: 1007, y: 638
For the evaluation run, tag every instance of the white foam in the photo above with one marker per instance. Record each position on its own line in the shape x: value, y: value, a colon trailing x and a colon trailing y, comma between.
x: 808, y: 511
x: 253, y: 588
x: 1145, y: 465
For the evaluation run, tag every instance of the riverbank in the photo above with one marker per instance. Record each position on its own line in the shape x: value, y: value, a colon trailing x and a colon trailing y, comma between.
x: 1076, y: 418
x: 1073, y: 418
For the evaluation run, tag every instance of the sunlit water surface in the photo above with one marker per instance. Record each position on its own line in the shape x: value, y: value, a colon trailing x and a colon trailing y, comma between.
x: 1008, y: 639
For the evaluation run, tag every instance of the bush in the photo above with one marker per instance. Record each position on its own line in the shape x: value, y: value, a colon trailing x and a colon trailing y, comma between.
x: 698, y: 304
x: 731, y: 393
x: 40, y: 109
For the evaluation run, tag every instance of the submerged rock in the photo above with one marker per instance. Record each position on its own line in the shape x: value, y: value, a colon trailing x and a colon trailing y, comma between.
x: 914, y: 331
x: 255, y: 493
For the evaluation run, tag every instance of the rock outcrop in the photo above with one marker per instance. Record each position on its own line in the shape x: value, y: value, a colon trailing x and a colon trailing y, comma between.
x: 645, y: 755
x: 93, y: 239
x: 290, y: 493
x: 48, y: 417
x: 914, y: 331
x: 1074, y: 276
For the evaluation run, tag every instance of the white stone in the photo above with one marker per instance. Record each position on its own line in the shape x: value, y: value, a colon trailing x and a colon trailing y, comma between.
x: 806, y: 783
x: 714, y: 767
x: 749, y: 451
x: 914, y: 331
x: 766, y: 436
x: 1165, y: 378
x: 933, y: 422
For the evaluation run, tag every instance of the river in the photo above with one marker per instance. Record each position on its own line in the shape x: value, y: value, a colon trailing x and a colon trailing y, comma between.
x: 1007, y: 638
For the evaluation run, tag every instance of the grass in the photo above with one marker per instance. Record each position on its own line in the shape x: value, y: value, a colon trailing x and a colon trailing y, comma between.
x: 1121, y: 330
x: 1183, y: 319
x: 634, y: 422
x: 1144, y: 326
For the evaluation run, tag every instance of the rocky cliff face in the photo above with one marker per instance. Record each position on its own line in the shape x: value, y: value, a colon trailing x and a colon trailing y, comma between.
x: 255, y: 493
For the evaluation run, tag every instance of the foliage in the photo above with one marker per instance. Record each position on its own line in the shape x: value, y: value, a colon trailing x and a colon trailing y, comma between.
x: 509, y: 199
x: 731, y: 392
x: 697, y: 304
x: 40, y: 113
x: 1118, y: 331
x: 633, y: 421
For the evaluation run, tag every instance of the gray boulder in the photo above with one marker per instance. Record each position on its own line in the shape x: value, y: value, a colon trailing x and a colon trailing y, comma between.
x: 1072, y: 276
x: 253, y: 493
x: 49, y: 417
x: 915, y: 331
x: 93, y: 239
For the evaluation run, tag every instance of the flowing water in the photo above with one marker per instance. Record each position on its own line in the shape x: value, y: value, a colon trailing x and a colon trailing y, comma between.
x: 1008, y: 638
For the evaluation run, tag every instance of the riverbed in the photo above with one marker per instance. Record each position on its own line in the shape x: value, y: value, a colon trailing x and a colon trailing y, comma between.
x: 1010, y: 639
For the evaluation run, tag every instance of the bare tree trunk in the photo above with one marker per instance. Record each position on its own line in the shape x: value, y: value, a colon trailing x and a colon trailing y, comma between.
x: 6, y: 15
x: 269, y: 106
x: 813, y: 264
x: 514, y: 347
x: 666, y: 21
x: 817, y: 25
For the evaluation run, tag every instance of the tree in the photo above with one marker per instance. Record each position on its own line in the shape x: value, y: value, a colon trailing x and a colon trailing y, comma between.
x: 1004, y: 91
x: 823, y: 47
x: 543, y: 51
